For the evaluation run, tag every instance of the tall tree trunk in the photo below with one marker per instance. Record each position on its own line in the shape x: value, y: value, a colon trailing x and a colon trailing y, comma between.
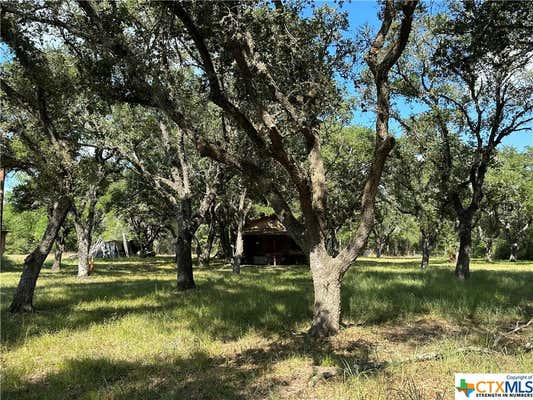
x: 184, y: 247
x: 59, y: 249
x: 379, y: 248
x: 205, y: 256
x: 85, y: 219
x: 237, y: 255
x: 514, y: 252
x: 125, y: 245
x: 199, y: 250
x: 84, y: 246
x: 58, y: 256
x: 239, y: 245
x: 23, y: 298
x: 327, y: 282
x: 462, y: 267
x: 488, y: 250
x: 225, y: 242
x: 425, y: 252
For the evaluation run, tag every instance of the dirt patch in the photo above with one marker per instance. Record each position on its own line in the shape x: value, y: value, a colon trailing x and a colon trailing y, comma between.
x: 419, y: 331
x: 288, y: 379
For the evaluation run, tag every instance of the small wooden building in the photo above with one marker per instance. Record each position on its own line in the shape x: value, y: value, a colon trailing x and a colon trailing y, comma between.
x: 267, y: 242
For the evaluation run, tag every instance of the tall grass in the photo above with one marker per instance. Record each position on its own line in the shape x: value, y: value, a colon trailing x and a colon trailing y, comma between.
x: 126, y: 333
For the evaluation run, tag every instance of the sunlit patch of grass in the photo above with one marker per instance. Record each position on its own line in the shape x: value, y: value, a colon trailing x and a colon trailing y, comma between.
x: 126, y: 333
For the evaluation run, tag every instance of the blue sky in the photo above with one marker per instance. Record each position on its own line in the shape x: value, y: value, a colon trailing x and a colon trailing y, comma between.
x: 363, y: 13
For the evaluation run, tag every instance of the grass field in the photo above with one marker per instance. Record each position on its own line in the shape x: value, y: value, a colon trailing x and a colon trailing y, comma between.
x: 126, y: 333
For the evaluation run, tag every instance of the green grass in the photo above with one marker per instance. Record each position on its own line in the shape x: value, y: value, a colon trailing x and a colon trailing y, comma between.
x: 126, y: 333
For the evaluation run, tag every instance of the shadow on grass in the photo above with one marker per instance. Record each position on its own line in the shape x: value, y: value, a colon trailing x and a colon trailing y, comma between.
x: 7, y: 265
x: 123, y: 266
x: 105, y: 267
x: 273, y: 300
x: 376, y: 296
x: 198, y: 376
x: 186, y: 378
x: 224, y: 306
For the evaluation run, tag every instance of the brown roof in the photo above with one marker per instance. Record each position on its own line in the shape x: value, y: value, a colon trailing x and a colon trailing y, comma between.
x: 264, y: 225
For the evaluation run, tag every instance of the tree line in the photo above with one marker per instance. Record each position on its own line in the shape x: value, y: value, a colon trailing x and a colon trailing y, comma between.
x: 177, y: 116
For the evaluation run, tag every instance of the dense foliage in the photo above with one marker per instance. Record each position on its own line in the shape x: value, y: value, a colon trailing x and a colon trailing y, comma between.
x: 174, y: 122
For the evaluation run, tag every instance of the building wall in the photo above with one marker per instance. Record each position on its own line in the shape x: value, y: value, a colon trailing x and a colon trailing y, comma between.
x: 270, y: 249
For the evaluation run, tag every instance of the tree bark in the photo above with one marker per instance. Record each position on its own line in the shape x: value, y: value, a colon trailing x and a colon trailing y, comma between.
x: 23, y: 298
x: 462, y: 267
x: 239, y: 244
x: 125, y: 245
x: 425, y: 252
x: 327, y: 282
x: 58, y: 256
x: 84, y: 245
x: 59, y: 249
x: 514, y: 252
x: 225, y: 242
x: 237, y: 256
x: 84, y: 225
x: 488, y: 250
x: 199, y: 250
x: 205, y: 256
x: 184, y: 247
x: 379, y: 248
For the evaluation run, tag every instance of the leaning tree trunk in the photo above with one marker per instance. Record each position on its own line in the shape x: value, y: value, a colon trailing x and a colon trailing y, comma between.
x: 327, y: 282
x: 425, y: 252
x: 84, y: 245
x: 514, y: 252
x: 23, y: 298
x: 462, y: 267
x: 184, y: 247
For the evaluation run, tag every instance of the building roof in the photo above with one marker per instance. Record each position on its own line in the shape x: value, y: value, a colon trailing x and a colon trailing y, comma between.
x: 264, y: 225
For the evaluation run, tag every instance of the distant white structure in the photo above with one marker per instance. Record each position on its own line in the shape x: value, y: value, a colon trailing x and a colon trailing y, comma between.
x: 110, y: 249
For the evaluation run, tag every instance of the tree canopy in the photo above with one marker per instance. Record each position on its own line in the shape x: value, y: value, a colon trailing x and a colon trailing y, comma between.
x: 180, y: 120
